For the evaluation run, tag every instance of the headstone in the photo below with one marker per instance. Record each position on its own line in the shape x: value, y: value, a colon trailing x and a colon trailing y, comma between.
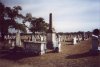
x: 99, y: 43
x: 44, y: 38
x: 59, y: 43
x: 33, y: 38
x: 83, y: 34
x: 98, y: 48
x: 52, y: 42
x: 13, y: 44
x: 41, y: 38
x: 95, y: 40
x: 79, y: 38
x: 42, y: 48
x: 74, y: 40
x: 18, y: 39
x: 9, y: 41
x: 33, y: 47
x: 50, y: 34
x: 55, y: 42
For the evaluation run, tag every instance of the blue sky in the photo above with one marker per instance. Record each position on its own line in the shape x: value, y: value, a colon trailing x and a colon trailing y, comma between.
x: 68, y: 15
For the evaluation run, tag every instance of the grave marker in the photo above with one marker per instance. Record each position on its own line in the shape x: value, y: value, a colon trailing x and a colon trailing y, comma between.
x: 50, y: 34
x: 95, y: 40
x: 18, y: 39
x: 74, y: 40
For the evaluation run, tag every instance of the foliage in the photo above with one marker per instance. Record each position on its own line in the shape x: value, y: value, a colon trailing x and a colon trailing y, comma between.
x: 8, y: 19
x: 36, y: 24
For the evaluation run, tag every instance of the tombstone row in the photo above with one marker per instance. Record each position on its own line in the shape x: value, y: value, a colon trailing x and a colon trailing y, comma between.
x: 74, y: 38
x: 29, y: 37
x: 30, y: 40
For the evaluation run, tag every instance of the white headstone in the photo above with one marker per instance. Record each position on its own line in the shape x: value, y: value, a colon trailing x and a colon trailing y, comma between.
x: 57, y: 44
x: 33, y: 38
x: 41, y: 38
x: 43, y: 47
x: 74, y: 40
x: 98, y: 48
x: 18, y: 39
x: 13, y: 44
x: 9, y: 41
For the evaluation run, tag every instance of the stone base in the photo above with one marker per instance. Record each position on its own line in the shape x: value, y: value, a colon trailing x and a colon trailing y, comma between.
x: 49, y: 45
x: 42, y: 52
x: 57, y: 50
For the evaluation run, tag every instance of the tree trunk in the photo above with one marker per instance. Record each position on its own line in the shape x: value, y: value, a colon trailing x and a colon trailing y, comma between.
x: 2, y: 37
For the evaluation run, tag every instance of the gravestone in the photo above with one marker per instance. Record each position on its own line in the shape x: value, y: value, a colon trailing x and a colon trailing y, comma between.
x: 50, y: 34
x: 83, y: 35
x: 57, y: 46
x: 18, y: 39
x: 51, y: 37
x: 33, y: 38
x: 9, y: 41
x: 99, y: 43
x: 34, y: 47
x: 95, y: 40
x: 74, y: 40
x: 99, y: 48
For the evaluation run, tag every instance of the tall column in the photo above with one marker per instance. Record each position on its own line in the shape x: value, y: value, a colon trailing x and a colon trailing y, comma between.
x: 50, y: 21
x: 49, y: 33
x: 52, y: 42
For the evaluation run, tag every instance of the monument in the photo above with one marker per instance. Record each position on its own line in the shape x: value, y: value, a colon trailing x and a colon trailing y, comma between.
x: 53, y: 41
x: 51, y: 35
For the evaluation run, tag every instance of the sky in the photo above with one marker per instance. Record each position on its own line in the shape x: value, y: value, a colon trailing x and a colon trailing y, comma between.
x: 68, y: 15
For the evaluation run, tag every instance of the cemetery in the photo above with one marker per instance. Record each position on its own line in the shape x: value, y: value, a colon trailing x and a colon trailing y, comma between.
x: 41, y: 42
x: 49, y: 33
x: 53, y: 49
x: 35, y: 43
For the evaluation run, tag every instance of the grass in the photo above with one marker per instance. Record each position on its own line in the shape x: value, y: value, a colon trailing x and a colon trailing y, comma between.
x: 70, y: 56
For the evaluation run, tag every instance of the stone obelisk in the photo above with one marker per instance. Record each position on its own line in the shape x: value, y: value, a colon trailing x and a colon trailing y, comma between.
x: 50, y: 22
x: 52, y: 42
x: 49, y: 33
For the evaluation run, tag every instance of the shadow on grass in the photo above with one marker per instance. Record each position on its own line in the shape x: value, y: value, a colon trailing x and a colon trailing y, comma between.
x: 87, y: 54
x: 16, y: 55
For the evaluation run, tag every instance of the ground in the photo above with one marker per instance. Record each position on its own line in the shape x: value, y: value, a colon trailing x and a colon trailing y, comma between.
x: 71, y: 56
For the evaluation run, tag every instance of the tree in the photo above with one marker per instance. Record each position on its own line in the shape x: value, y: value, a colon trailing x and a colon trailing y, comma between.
x: 8, y: 20
x: 13, y: 14
x: 36, y: 24
x: 2, y: 27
